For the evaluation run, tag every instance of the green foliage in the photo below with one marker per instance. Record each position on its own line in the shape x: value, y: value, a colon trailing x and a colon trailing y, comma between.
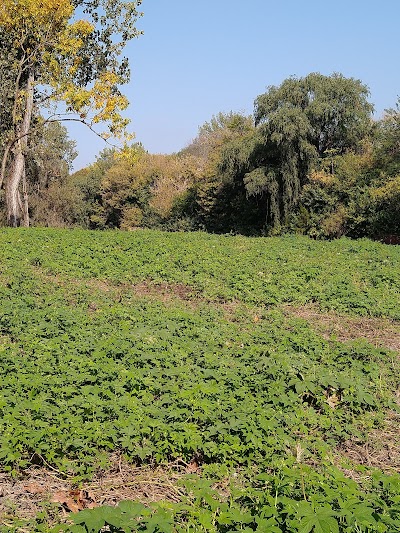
x: 224, y: 205
x: 305, y: 118
x: 88, y: 182
x: 212, y: 135
x: 385, y: 207
x: 134, y: 188
x: 88, y: 365
x: 219, y: 205
x: 329, y: 112
x: 388, y: 142
x: 48, y: 162
x: 350, y: 195
x: 265, y: 507
x: 299, y: 122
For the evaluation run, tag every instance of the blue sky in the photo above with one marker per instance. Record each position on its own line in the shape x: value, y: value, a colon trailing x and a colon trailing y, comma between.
x: 199, y: 57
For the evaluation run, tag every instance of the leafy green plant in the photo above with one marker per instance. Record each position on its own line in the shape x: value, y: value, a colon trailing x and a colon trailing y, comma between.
x: 166, y: 346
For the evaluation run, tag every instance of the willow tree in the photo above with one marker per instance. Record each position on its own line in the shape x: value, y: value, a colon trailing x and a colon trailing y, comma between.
x: 59, y: 51
x: 298, y: 123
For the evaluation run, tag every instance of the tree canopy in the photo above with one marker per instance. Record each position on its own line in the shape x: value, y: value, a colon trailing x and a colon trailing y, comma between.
x: 55, y: 56
x: 300, y: 121
x: 328, y: 112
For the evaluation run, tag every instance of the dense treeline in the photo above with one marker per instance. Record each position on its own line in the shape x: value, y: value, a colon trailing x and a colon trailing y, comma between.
x: 312, y: 160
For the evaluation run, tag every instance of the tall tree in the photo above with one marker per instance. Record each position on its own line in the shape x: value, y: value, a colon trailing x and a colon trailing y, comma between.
x: 212, y: 192
x: 299, y: 122
x: 222, y: 128
x: 53, y: 57
x: 334, y: 110
x: 49, y: 157
x: 48, y: 163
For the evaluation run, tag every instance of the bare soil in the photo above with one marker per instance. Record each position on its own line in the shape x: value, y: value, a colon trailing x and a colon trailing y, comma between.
x: 164, y: 291
x: 380, y: 332
x: 382, y: 450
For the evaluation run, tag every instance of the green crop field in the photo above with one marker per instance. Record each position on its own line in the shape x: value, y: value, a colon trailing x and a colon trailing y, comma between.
x: 215, y: 352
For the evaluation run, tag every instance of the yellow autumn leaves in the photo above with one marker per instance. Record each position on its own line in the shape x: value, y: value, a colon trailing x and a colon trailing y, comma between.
x: 41, y: 29
x: 34, y: 13
x: 99, y: 103
x: 51, y: 43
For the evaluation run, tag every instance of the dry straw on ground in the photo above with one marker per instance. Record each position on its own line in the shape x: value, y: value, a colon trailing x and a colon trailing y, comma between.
x: 379, y: 332
x: 24, y: 496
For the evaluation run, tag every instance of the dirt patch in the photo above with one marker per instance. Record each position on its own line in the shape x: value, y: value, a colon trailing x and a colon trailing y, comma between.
x: 381, y: 450
x: 97, y: 284
x: 164, y: 291
x: 377, y: 331
x: 24, y: 497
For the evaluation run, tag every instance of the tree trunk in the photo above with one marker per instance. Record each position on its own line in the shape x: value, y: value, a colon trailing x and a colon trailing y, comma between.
x: 17, y: 210
x: 25, y: 201
x: 13, y: 197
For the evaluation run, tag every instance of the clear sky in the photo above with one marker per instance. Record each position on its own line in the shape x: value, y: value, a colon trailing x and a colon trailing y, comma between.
x: 199, y: 57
